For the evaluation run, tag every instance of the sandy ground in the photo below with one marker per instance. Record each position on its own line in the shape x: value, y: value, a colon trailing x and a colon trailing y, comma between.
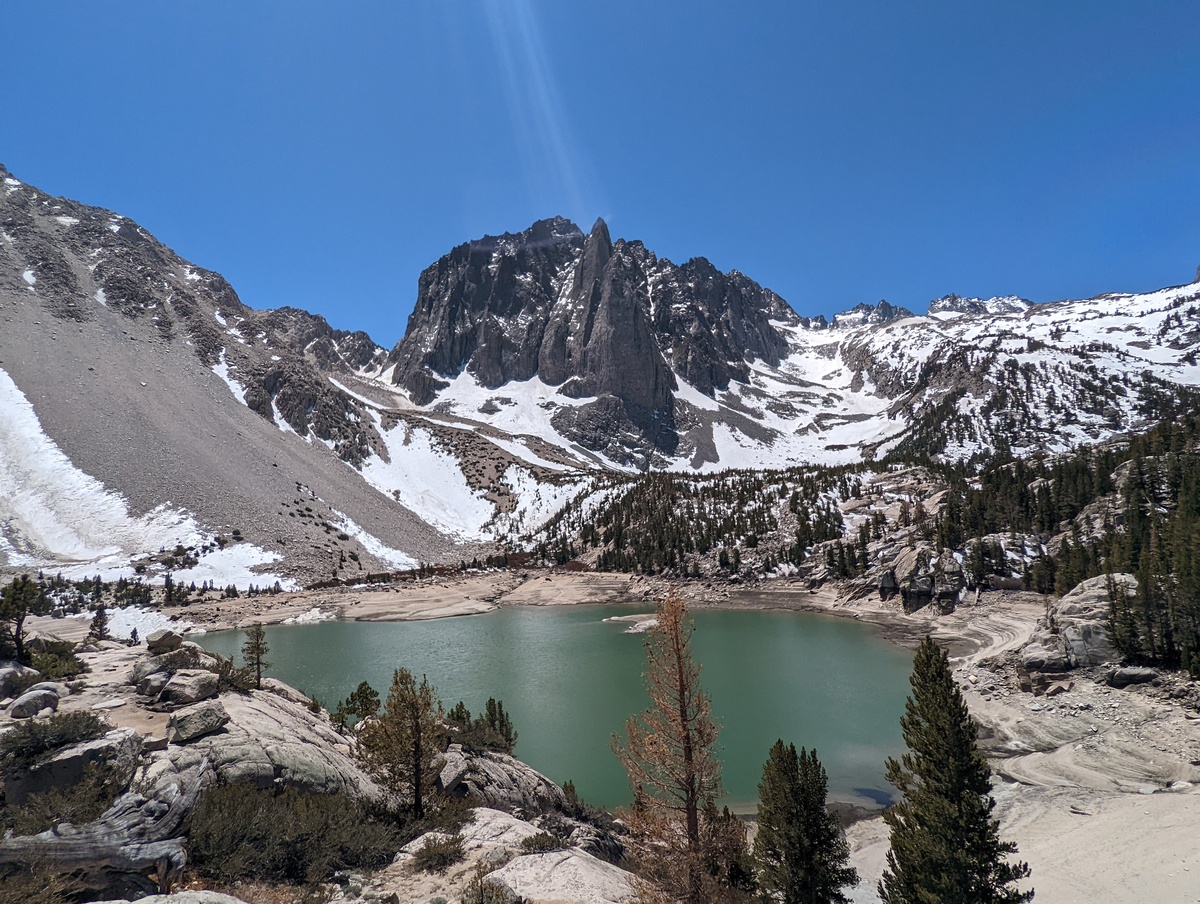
x: 430, y: 598
x: 1100, y: 788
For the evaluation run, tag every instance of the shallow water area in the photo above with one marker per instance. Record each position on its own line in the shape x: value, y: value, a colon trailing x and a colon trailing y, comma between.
x: 570, y: 678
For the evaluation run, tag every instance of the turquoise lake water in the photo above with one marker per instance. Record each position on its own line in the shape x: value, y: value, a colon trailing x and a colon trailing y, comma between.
x: 570, y: 679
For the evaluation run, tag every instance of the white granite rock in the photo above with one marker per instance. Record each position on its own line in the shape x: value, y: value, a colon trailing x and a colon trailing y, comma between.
x: 569, y: 875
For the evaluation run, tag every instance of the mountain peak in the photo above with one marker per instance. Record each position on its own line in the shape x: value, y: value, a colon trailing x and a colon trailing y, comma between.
x: 870, y: 314
x: 1000, y: 304
x: 599, y: 236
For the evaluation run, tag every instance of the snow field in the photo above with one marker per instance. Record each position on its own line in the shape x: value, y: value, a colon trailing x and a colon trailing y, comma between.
x: 55, y: 516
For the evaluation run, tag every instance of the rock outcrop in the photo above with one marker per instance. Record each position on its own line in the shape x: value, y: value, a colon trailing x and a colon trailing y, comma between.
x: 495, y: 837
x: 189, y: 686
x: 12, y: 674
x: 163, y: 641
x: 187, y: 655
x: 185, y: 897
x: 569, y: 875
x: 498, y: 780
x: 32, y: 702
x: 267, y: 741
x: 1074, y: 633
x: 197, y: 722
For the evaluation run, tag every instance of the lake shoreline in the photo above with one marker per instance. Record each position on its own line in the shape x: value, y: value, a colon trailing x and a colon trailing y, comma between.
x: 1074, y: 774
x: 1082, y: 778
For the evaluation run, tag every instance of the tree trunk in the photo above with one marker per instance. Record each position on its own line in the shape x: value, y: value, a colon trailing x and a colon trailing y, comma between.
x: 136, y: 843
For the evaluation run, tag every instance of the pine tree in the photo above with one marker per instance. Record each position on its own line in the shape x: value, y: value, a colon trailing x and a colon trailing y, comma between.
x: 99, y: 629
x: 670, y: 757
x: 801, y: 853
x: 254, y: 652
x: 22, y: 598
x: 362, y: 703
x: 500, y: 724
x: 401, y: 747
x: 945, y: 845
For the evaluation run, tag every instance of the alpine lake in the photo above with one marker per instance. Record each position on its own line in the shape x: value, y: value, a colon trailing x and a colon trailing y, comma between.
x: 569, y: 679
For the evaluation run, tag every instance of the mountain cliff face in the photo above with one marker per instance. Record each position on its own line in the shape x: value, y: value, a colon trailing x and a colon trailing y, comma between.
x: 608, y: 324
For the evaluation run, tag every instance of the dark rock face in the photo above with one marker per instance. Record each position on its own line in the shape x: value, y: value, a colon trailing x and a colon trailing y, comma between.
x: 312, y: 336
x: 469, y: 302
x: 600, y: 320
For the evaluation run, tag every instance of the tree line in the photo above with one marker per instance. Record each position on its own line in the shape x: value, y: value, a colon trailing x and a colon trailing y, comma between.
x: 682, y: 524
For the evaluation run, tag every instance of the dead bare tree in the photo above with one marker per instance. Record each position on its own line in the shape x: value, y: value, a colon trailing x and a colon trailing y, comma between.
x: 670, y: 757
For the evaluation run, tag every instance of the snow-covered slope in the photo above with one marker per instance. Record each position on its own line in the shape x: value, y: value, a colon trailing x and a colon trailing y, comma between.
x: 957, y: 383
x: 146, y: 412
x: 53, y: 515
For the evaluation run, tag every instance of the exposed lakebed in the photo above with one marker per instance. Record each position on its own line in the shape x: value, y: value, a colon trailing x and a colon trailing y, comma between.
x: 570, y: 678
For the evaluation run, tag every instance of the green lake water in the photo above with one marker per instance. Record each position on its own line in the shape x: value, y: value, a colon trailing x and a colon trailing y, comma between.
x: 569, y: 679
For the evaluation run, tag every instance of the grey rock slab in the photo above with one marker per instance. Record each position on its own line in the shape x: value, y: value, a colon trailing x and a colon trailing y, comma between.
x: 190, y: 686
x: 495, y: 828
x: 1123, y: 677
x: 152, y: 685
x: 114, y: 703
x: 564, y: 876
x: 497, y: 780
x: 1082, y: 619
x: 31, y: 703
x: 163, y: 641
x: 12, y: 672
x: 56, y: 686
x: 197, y: 721
x: 184, y: 897
x: 1048, y: 657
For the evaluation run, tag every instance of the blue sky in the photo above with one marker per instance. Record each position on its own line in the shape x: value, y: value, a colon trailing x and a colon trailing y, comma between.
x: 321, y: 154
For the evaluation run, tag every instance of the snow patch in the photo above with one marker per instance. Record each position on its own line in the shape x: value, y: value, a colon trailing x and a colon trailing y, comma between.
x: 122, y: 622
x: 29, y: 277
x: 49, y: 507
x: 373, y: 544
x: 312, y: 616
x: 221, y: 369
x: 54, y: 516
x: 235, y: 565
x: 428, y: 479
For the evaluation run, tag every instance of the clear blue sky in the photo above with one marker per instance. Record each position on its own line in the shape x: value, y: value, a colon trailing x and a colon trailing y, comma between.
x: 322, y: 154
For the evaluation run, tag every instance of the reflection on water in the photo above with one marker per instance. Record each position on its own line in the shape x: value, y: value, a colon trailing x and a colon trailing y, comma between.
x: 569, y: 679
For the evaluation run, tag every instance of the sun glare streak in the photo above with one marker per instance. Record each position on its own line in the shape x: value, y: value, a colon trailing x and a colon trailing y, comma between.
x: 555, y: 170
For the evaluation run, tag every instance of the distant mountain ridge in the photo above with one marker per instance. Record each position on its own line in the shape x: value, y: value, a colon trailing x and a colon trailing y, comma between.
x: 534, y: 366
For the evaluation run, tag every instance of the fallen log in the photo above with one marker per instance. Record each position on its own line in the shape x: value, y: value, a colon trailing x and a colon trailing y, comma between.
x: 135, y: 845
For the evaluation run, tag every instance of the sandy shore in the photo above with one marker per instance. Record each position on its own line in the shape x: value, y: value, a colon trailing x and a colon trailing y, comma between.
x: 1100, y: 788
